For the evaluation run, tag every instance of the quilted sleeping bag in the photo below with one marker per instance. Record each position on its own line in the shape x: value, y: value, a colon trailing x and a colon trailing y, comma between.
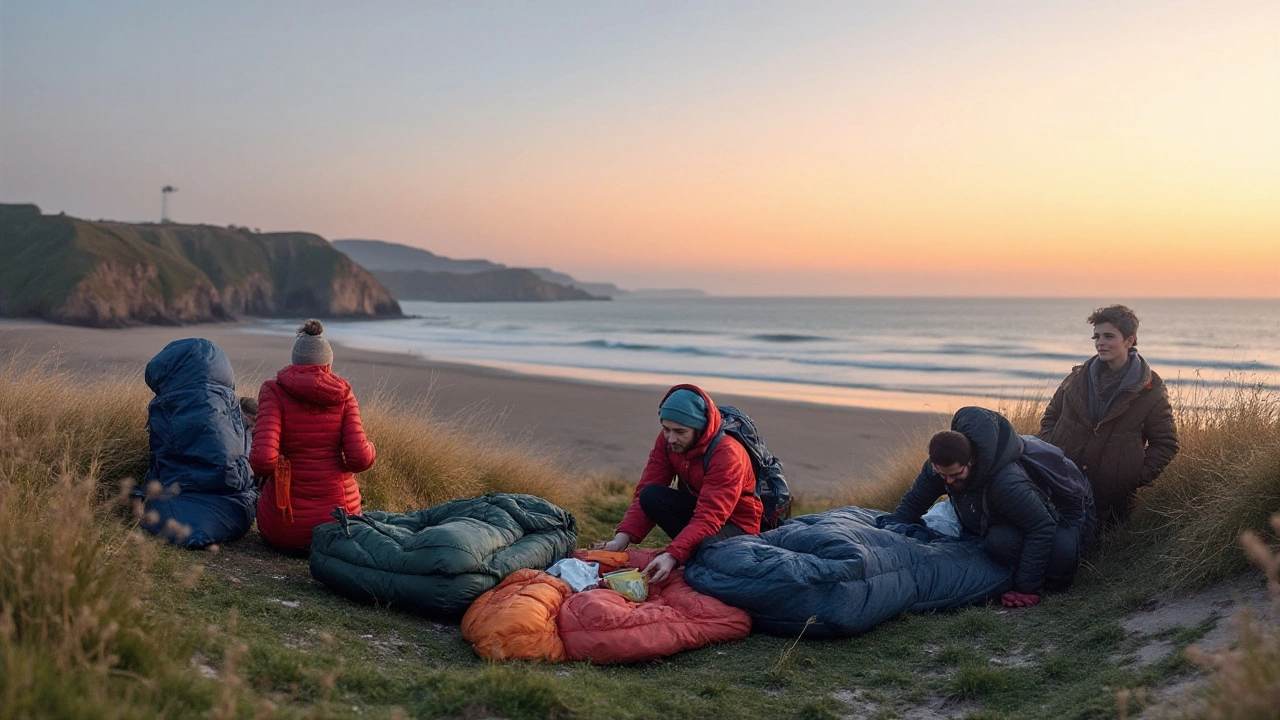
x: 604, y: 627
x: 437, y: 561
x: 534, y: 616
x: 517, y: 619
x: 842, y: 568
x: 199, y: 450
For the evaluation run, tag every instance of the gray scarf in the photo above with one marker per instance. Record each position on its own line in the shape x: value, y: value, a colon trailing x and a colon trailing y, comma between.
x: 1104, y: 391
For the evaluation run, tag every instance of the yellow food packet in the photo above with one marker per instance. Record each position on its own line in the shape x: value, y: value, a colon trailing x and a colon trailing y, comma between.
x: 628, y: 583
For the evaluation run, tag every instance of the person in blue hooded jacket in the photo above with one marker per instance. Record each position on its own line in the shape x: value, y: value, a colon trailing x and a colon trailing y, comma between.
x: 975, y: 464
x: 198, y: 490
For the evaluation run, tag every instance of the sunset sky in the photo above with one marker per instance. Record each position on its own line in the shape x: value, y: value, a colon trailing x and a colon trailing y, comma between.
x: 1102, y: 149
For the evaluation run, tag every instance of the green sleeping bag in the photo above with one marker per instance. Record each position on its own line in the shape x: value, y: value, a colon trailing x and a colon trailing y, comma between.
x: 437, y: 561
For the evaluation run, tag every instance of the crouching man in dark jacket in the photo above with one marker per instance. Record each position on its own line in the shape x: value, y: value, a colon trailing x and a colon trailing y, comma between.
x: 975, y: 463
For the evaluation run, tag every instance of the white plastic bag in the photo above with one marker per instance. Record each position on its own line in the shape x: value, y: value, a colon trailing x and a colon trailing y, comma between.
x: 942, y: 518
x: 579, y: 574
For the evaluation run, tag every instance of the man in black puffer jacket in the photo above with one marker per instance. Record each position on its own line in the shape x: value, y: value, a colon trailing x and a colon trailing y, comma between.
x: 975, y: 464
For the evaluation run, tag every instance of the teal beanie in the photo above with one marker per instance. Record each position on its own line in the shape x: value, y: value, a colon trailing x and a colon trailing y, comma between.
x: 685, y: 407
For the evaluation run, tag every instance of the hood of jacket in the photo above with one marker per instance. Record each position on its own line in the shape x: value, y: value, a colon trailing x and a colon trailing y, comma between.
x: 994, y: 440
x: 713, y: 419
x: 187, y: 362
x: 313, y: 384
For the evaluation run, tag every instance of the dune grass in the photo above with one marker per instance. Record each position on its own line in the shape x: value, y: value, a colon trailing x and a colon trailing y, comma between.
x: 97, y: 620
x: 1224, y: 481
x: 81, y: 635
x: 424, y: 460
x: 1246, y: 678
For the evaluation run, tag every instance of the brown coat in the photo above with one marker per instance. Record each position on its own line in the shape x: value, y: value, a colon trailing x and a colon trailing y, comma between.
x: 1125, y: 451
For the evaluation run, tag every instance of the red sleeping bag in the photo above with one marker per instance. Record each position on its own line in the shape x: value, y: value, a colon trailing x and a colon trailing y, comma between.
x: 604, y: 627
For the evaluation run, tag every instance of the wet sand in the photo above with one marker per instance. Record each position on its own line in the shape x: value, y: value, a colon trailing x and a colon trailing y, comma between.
x: 594, y: 428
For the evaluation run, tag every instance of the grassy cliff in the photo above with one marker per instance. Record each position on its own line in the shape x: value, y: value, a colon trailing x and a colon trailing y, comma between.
x: 107, y: 274
x: 99, y: 621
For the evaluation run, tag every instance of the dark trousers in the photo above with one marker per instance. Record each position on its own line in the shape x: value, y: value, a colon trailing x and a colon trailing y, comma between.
x: 1004, y: 543
x: 672, y: 509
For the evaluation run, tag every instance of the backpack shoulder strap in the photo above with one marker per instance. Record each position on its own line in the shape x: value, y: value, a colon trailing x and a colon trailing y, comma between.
x: 711, y: 447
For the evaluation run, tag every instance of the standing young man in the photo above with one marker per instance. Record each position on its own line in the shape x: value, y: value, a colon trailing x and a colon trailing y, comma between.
x: 1111, y: 416
x: 709, y: 505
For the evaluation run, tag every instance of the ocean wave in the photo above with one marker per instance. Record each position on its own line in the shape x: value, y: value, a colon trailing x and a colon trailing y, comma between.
x: 928, y: 368
x: 1217, y: 383
x: 993, y: 390
x: 674, y: 331
x: 639, y: 347
x: 988, y: 350
x: 1076, y: 359
x: 617, y: 345
x: 789, y: 338
x: 1250, y: 366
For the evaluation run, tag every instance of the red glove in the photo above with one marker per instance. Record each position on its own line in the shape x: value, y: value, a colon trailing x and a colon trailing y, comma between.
x: 1015, y: 599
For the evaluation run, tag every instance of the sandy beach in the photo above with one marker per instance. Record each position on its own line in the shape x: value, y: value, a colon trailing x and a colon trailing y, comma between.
x: 594, y: 427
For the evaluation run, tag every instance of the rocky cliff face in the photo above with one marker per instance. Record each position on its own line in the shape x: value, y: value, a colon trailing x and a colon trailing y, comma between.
x: 109, y: 274
x: 114, y: 294
x: 360, y: 294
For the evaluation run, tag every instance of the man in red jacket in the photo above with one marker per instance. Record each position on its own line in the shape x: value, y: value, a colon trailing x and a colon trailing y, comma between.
x: 704, y: 506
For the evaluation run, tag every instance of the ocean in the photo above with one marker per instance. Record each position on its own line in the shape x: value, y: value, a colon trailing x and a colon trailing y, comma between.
x: 922, y: 354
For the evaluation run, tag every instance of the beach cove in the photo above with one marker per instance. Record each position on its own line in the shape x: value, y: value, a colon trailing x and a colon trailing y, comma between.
x: 592, y: 428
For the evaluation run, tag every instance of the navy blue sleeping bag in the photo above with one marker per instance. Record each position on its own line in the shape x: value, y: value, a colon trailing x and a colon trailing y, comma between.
x: 199, y: 450
x: 849, y: 568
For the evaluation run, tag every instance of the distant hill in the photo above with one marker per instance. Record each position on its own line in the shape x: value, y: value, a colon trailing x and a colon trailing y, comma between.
x: 608, y: 290
x: 505, y: 285
x: 378, y: 255
x: 109, y: 274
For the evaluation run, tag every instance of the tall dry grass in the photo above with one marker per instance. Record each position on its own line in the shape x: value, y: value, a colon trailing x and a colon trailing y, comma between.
x: 1245, y: 679
x: 1225, y: 480
x: 75, y: 631
x: 424, y: 459
x: 60, y: 419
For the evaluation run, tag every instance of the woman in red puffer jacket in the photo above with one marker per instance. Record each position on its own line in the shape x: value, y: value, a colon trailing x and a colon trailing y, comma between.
x: 307, y: 443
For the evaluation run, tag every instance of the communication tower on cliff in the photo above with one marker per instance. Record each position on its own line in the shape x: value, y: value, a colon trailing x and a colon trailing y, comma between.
x: 164, y: 202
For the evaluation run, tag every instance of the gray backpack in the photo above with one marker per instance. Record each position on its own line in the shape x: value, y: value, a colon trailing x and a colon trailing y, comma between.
x: 1061, y: 480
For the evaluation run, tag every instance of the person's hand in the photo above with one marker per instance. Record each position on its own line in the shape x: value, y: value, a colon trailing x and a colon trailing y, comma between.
x: 617, y: 544
x: 1015, y: 599
x: 660, y: 568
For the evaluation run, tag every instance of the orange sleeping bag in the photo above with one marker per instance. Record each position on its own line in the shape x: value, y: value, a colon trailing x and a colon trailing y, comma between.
x: 517, y: 619
x: 604, y: 627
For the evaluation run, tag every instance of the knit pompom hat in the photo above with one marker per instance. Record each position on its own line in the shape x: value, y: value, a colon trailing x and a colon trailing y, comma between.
x: 311, y: 348
x: 685, y: 407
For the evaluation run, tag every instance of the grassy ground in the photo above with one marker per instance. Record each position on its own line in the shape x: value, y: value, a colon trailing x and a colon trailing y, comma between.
x: 97, y: 621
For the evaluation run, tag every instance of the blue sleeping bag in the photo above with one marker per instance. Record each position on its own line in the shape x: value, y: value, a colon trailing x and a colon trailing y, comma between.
x: 848, y: 568
x: 199, y: 449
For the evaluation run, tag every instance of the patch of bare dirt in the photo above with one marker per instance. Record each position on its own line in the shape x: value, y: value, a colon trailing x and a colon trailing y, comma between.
x: 1173, y: 611
x: 860, y: 707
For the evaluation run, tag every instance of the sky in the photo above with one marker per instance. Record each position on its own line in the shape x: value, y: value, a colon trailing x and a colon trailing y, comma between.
x: 1094, y: 149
